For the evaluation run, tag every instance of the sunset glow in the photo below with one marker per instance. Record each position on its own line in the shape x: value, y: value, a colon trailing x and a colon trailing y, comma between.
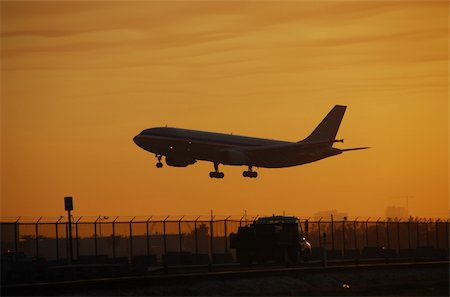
x: 79, y: 80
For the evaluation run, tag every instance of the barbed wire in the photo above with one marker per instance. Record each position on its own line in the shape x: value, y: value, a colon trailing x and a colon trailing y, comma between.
x: 103, y: 219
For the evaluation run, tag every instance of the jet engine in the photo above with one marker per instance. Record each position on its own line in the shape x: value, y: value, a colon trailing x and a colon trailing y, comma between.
x: 177, y: 161
x: 233, y: 157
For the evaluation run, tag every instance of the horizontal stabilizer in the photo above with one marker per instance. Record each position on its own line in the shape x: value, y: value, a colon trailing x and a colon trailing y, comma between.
x: 355, y: 149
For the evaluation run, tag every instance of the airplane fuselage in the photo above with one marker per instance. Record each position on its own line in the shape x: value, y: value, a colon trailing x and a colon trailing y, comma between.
x: 223, y: 148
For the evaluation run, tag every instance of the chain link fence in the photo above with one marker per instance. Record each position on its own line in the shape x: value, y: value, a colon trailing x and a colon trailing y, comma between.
x: 183, y: 241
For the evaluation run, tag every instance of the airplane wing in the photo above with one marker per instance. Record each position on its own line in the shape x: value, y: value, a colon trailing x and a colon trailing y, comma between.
x: 299, y: 147
x: 305, y: 149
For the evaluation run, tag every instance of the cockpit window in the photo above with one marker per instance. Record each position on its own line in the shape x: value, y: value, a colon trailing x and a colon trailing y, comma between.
x: 157, y: 132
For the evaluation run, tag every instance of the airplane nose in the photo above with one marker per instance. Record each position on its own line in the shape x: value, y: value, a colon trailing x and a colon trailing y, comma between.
x: 139, y: 140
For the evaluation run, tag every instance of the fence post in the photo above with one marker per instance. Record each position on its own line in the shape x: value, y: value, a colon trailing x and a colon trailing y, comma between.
x: 76, y: 237
x: 131, y: 239
x: 446, y: 232
x: 211, y: 239
x: 318, y: 230
x: 417, y: 231
x: 114, y: 237
x: 165, y: 241
x: 388, y: 241
x: 240, y: 221
x: 180, y: 239
x: 226, y: 237
x: 354, y: 233
x: 196, y: 237
x: 437, y: 233
x: 57, y: 239
x: 367, y: 232
x: 427, y: 232
x: 332, y: 233
x: 148, y: 236
x: 37, y: 238
x: 324, y: 250
x: 409, y: 233
x: 343, y: 236
x: 376, y: 232
x: 398, y: 235
x: 95, y: 236
x: 16, y: 238
x: 307, y: 227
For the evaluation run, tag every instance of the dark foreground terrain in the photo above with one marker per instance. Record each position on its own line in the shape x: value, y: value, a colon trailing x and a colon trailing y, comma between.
x: 417, y: 279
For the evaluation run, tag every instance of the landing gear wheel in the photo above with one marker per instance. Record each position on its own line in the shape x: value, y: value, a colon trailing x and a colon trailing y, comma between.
x: 250, y: 173
x: 216, y: 173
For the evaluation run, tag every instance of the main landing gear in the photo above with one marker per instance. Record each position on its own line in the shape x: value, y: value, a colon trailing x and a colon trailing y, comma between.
x: 159, y: 164
x: 216, y: 173
x: 250, y: 173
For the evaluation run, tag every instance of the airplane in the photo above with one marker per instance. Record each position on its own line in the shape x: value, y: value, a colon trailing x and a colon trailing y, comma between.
x: 183, y: 147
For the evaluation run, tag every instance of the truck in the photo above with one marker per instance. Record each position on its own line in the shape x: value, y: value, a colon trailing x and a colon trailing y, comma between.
x: 276, y: 239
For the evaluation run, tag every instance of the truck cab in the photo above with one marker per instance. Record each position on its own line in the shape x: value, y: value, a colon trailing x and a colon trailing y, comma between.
x: 276, y: 239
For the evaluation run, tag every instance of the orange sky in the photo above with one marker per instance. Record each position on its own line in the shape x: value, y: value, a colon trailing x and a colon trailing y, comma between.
x: 80, y: 79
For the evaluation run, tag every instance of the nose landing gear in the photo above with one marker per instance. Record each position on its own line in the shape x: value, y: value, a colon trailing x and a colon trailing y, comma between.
x: 250, y: 173
x: 216, y: 173
x: 159, y: 164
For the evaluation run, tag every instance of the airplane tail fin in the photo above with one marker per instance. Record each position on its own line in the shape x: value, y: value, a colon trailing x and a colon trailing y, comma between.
x: 328, y: 128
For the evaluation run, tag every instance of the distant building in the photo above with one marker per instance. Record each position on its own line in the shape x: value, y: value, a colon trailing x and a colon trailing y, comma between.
x: 396, y: 212
x: 326, y: 215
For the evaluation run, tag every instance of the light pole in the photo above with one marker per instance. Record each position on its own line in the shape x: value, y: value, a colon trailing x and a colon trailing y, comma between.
x: 68, y: 205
